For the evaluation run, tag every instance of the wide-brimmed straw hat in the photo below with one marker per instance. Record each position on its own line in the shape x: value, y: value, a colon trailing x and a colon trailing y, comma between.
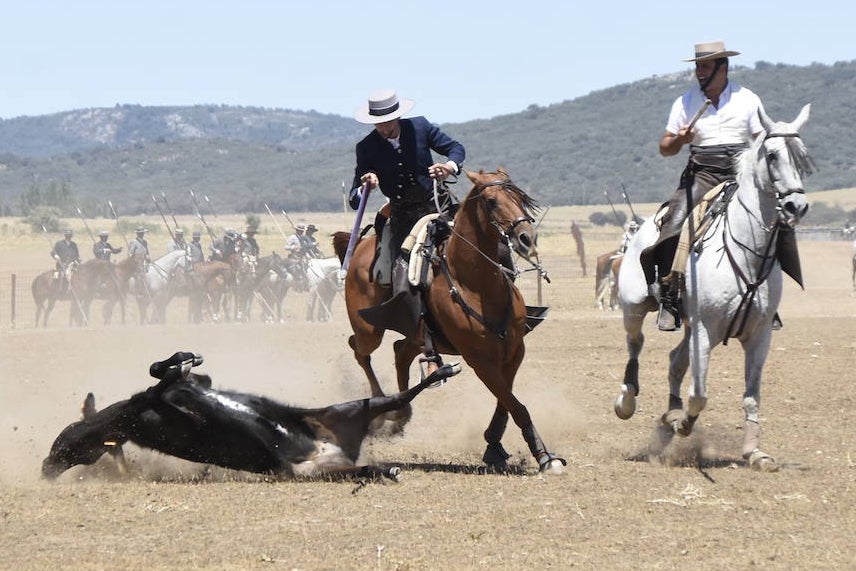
x: 103, y: 233
x: 383, y: 105
x: 711, y: 50
x: 142, y: 230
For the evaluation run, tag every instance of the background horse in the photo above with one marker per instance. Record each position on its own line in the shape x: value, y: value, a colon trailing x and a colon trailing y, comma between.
x: 273, y: 284
x: 486, y: 320
x: 324, y: 283
x: 721, y: 304
x: 83, y: 286
x: 606, y: 279
x: 152, y: 287
x: 853, y: 275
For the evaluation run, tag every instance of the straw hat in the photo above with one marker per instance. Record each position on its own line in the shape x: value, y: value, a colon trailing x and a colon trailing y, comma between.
x: 383, y: 105
x: 711, y: 50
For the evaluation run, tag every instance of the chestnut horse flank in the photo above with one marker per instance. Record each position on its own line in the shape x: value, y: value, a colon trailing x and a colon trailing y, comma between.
x: 606, y: 280
x: 93, y: 279
x: 472, y: 307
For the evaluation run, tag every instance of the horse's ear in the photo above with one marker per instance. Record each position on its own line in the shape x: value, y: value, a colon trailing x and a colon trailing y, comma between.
x: 766, y: 122
x: 472, y: 176
x: 802, y: 117
x: 502, y: 171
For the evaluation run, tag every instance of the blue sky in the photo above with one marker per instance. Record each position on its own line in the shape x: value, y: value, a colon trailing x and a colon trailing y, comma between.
x: 458, y: 60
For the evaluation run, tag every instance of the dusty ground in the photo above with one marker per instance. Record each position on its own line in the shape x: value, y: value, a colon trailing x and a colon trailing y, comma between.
x: 606, y: 512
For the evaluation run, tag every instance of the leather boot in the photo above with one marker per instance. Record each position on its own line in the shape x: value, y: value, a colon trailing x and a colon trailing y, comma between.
x: 402, y: 311
x: 669, y: 317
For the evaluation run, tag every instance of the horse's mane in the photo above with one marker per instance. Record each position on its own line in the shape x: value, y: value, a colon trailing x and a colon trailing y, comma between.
x: 529, y: 204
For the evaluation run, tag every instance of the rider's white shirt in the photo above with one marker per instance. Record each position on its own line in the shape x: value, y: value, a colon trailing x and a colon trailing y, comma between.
x: 734, y: 122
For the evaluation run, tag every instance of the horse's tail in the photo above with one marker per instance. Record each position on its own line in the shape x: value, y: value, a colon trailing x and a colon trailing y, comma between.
x: 340, y: 244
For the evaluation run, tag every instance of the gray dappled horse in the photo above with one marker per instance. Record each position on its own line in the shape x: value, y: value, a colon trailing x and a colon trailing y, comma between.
x: 734, y: 284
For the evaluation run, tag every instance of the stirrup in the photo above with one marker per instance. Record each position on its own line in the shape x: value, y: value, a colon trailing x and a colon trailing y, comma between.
x: 668, y: 319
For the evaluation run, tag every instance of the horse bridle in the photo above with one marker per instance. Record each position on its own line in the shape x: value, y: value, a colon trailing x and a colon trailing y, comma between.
x: 768, y: 257
x: 501, y: 329
x: 506, y: 185
x: 780, y: 195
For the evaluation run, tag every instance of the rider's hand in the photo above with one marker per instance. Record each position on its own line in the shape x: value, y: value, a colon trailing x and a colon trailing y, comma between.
x: 439, y: 171
x: 370, y: 180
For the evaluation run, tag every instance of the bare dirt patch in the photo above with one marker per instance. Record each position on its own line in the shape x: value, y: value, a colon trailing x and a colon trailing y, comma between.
x: 611, y: 510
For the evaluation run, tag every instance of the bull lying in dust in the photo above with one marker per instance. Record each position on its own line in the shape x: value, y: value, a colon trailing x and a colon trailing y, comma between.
x: 183, y: 416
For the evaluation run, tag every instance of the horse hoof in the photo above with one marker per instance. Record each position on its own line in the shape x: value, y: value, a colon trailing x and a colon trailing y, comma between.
x: 762, y: 462
x: 674, y: 420
x: 625, y: 404
x: 554, y: 467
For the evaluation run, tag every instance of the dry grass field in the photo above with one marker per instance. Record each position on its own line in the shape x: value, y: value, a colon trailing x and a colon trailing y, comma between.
x: 697, y: 507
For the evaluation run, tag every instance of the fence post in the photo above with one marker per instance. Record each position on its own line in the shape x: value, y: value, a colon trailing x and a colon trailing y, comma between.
x: 14, y: 281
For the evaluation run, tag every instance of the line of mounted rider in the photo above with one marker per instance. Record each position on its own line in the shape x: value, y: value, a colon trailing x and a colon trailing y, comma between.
x: 232, y: 247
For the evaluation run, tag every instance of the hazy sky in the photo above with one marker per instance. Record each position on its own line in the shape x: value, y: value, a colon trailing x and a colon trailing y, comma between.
x: 459, y: 60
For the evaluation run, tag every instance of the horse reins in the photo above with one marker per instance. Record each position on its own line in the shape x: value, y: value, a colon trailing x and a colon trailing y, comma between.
x: 768, y: 255
x: 500, y: 330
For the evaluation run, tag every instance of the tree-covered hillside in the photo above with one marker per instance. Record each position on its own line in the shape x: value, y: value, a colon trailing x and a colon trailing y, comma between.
x: 242, y: 158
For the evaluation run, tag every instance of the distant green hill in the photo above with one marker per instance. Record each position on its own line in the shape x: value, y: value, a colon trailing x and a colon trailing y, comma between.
x: 242, y: 158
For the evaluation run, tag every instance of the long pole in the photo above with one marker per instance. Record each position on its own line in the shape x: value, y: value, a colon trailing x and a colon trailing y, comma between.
x: 85, y: 225
x: 275, y: 222
x: 287, y: 217
x: 611, y: 205
x: 169, y: 209
x: 201, y: 217
x: 118, y: 226
x: 163, y: 217
x: 355, y: 231
x: 627, y: 200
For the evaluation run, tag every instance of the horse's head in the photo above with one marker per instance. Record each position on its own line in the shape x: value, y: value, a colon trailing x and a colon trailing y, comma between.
x: 781, y: 162
x: 507, y: 208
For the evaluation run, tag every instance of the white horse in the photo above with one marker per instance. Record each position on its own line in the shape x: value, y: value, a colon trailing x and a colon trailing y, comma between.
x: 734, y: 283
x: 154, y: 287
x: 324, y: 284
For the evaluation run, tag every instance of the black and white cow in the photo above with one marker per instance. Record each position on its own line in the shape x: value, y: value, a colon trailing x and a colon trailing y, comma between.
x: 183, y: 416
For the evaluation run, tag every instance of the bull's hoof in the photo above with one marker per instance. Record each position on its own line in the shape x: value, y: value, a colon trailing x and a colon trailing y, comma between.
x: 625, y: 404
x: 761, y: 461
x: 393, y: 473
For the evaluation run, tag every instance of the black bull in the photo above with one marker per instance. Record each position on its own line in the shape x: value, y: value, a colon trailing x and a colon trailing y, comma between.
x: 183, y: 417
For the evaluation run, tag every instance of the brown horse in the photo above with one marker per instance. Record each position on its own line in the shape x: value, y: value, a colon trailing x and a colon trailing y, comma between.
x: 606, y: 279
x: 85, y: 284
x: 473, y: 308
x: 206, y: 286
